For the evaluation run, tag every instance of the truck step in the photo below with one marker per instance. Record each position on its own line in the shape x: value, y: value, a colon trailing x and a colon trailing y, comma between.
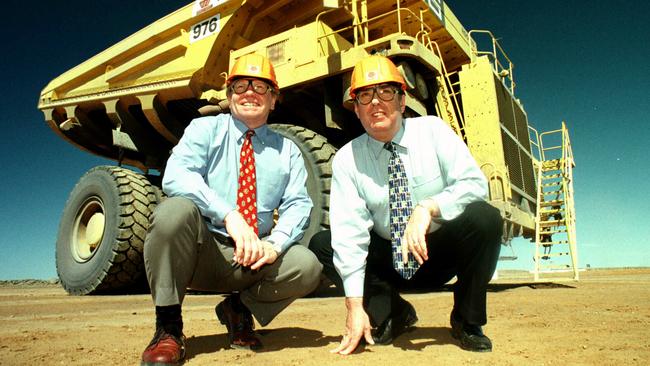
x: 552, y: 232
x: 551, y: 223
x: 551, y: 211
x: 552, y: 203
x: 550, y: 243
x: 553, y: 255
x: 552, y: 162
x: 557, y: 192
x: 551, y: 176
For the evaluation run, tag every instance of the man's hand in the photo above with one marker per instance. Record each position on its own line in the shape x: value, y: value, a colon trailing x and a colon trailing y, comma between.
x: 416, y: 229
x: 268, y: 255
x: 248, y: 247
x: 357, y: 325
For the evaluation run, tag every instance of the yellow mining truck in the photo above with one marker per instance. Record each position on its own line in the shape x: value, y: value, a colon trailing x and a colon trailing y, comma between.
x: 131, y: 103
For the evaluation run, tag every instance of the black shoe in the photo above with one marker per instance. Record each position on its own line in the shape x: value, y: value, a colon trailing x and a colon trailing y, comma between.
x: 471, y: 337
x: 392, y: 327
x: 239, y: 322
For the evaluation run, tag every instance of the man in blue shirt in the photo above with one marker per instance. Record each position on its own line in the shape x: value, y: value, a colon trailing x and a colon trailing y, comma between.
x: 407, y: 210
x: 216, y: 231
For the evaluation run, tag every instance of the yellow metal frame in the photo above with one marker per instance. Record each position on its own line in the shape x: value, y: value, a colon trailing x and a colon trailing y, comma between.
x: 145, y: 74
x: 564, y: 165
x: 504, y: 72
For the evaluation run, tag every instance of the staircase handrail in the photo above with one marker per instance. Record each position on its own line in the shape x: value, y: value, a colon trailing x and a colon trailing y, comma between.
x: 446, y: 85
x: 568, y: 150
x: 532, y: 132
x: 501, y: 70
x: 545, y: 149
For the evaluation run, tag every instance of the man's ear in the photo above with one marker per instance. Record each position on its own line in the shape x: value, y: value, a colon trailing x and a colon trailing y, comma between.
x: 356, y: 109
x: 274, y: 99
x: 402, y: 103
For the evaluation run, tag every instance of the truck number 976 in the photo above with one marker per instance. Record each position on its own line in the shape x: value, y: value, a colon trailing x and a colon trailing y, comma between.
x: 205, y: 28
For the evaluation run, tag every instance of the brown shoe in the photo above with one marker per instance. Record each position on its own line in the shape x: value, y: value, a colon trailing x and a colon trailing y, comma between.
x: 239, y: 323
x: 165, y: 349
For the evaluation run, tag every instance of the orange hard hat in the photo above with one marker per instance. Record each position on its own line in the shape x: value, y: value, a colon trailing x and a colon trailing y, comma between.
x: 374, y: 70
x: 255, y: 66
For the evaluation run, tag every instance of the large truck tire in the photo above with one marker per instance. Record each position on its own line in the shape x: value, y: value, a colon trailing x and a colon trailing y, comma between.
x: 317, y: 154
x: 100, y: 243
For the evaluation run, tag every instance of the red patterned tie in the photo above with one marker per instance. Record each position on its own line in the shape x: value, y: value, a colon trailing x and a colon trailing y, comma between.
x: 247, y: 192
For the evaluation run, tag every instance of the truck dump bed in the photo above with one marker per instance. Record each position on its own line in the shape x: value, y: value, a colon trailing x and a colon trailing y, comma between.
x: 132, y: 101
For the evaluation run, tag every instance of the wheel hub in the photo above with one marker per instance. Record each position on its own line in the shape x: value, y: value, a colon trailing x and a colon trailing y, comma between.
x: 88, y: 230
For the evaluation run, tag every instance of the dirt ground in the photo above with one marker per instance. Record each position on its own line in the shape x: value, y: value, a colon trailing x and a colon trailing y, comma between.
x: 602, y: 320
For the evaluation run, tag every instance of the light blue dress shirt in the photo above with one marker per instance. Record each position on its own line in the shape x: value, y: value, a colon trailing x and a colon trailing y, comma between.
x: 204, y: 168
x: 438, y: 165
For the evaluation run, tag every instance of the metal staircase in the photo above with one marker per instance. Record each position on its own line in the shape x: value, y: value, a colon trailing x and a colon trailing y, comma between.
x: 448, y: 101
x: 555, y: 234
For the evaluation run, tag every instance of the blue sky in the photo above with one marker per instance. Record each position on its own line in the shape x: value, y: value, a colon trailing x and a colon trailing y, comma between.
x: 576, y: 61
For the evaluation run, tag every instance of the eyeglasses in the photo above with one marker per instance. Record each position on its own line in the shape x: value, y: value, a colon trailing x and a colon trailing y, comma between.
x: 240, y: 86
x: 383, y: 92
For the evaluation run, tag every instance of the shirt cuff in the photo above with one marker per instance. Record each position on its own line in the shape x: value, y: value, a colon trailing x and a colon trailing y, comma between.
x: 218, y: 211
x: 353, y: 284
x: 280, y: 241
x: 448, y: 207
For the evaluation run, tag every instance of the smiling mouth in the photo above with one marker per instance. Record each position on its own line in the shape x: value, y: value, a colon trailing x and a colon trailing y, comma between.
x: 250, y: 104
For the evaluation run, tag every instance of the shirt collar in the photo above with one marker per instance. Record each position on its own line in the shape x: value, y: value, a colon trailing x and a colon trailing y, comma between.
x: 376, y: 147
x: 262, y: 132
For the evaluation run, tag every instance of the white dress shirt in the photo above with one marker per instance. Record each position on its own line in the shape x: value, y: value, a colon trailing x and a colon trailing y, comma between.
x: 438, y: 165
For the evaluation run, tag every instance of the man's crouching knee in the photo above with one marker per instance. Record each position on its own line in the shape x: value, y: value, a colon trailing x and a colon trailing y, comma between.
x: 308, y: 268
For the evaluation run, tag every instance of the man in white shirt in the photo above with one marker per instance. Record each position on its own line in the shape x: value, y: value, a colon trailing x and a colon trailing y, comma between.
x: 448, y: 228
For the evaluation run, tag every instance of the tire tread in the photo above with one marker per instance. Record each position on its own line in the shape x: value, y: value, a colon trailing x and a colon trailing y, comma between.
x: 125, y: 268
x: 320, y: 153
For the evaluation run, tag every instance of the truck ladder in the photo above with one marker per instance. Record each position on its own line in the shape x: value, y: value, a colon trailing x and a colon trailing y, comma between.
x: 447, y: 103
x: 555, y: 234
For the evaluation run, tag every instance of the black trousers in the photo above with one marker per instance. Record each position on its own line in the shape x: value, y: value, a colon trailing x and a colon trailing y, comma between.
x: 467, y: 247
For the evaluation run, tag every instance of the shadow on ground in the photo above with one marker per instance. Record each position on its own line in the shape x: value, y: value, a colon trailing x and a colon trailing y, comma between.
x: 292, y: 337
x: 498, y: 287
x: 273, y: 340
x: 422, y: 337
x: 332, y: 291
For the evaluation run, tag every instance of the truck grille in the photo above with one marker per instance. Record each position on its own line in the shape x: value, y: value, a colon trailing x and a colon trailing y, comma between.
x: 276, y: 52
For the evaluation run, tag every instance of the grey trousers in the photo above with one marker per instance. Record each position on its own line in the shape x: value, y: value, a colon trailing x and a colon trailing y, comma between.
x: 180, y: 252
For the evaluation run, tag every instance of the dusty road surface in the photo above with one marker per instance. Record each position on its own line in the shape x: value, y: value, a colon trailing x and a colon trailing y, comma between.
x: 602, y: 320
